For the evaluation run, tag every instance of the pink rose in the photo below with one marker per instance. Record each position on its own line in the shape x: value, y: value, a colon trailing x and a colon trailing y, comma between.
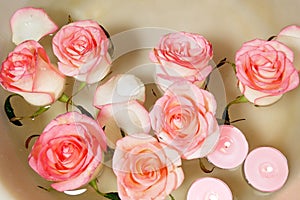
x: 145, y: 168
x: 265, y: 71
x: 69, y: 151
x: 182, y: 55
x: 184, y: 118
x: 27, y: 71
x: 82, y: 50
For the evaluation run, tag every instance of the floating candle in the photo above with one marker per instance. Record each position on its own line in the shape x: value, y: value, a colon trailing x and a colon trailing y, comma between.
x: 209, y: 188
x: 231, y: 149
x: 266, y: 169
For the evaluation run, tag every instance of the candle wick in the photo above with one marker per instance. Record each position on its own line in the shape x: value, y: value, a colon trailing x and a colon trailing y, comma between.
x: 213, y: 197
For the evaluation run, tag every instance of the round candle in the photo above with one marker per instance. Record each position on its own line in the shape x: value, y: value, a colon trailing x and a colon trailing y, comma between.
x: 266, y: 169
x: 231, y: 149
x: 209, y: 188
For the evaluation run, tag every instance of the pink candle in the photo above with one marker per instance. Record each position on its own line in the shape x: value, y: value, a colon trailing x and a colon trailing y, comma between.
x: 209, y: 189
x: 231, y: 149
x: 266, y: 169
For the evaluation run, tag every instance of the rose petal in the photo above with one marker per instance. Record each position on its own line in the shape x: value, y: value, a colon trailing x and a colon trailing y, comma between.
x: 174, y: 180
x: 292, y: 31
x: 290, y: 36
x: 82, y: 50
x: 120, y: 88
x: 187, y: 89
x: 130, y: 116
x: 39, y: 82
x: 210, y: 141
x: 164, y: 80
x: 30, y: 24
x: 75, y: 192
x: 80, y: 180
x: 72, y: 117
x: 257, y: 97
x: 37, y: 98
x: 100, y: 71
x: 157, y: 175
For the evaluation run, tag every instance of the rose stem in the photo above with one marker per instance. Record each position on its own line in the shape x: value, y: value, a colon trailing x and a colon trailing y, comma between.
x: 16, y: 119
x: 225, y: 115
x: 110, y: 195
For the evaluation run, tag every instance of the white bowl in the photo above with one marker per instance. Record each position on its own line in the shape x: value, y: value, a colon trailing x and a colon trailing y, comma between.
x: 227, y: 24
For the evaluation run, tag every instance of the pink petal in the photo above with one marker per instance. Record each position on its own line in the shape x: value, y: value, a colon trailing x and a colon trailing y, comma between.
x: 172, y: 155
x: 31, y: 24
x: 210, y: 141
x: 294, y: 81
x: 174, y: 180
x: 120, y: 88
x: 75, y: 117
x: 191, y: 91
x: 84, y: 178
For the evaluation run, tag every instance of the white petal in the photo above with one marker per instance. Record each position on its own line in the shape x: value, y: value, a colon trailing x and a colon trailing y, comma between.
x: 37, y: 98
x: 119, y: 89
x: 292, y: 31
x: 130, y: 116
x: 290, y: 36
x: 75, y: 192
x: 30, y: 24
x: 257, y: 97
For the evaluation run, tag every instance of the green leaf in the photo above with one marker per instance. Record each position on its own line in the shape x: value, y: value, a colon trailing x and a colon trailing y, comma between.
x: 221, y: 63
x: 84, y: 111
x: 225, y: 116
x: 171, y: 197
x: 43, y: 188
x: 111, y: 47
x: 240, y: 99
x: 10, y: 111
x: 16, y: 120
x: 112, y: 196
x: 70, y: 20
x: 271, y: 38
x: 109, y: 195
x: 123, y: 134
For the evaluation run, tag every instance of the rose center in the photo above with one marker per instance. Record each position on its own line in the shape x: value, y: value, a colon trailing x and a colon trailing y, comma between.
x: 177, y: 121
x: 67, y: 150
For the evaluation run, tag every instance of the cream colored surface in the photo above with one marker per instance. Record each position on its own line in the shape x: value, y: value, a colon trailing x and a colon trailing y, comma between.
x: 227, y: 24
